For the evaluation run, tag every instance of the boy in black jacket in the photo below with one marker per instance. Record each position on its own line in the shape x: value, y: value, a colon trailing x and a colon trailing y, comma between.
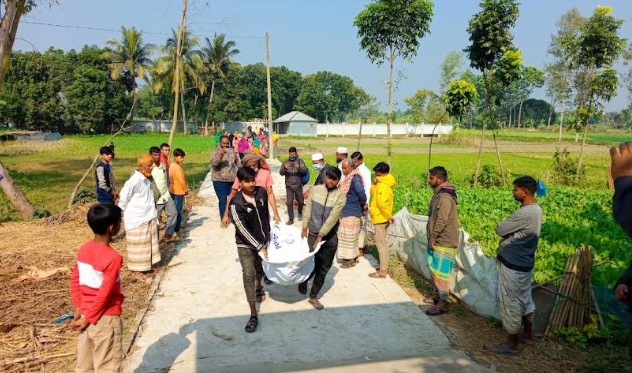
x: 249, y: 212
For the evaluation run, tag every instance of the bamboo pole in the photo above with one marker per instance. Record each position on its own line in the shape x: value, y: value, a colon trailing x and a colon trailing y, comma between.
x: 270, y: 129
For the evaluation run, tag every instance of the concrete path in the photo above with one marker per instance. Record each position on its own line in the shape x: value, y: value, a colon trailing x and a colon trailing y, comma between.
x: 367, y: 325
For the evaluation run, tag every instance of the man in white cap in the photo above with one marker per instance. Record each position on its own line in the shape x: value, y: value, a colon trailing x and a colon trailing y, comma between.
x: 319, y: 164
x: 341, y: 154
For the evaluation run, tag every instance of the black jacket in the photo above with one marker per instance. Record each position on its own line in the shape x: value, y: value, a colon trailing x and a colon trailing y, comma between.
x: 252, y: 223
x: 622, y: 202
x: 321, y: 174
x: 294, y: 172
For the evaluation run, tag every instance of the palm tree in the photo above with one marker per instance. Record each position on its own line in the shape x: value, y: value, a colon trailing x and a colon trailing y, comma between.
x: 218, y: 56
x: 129, y: 57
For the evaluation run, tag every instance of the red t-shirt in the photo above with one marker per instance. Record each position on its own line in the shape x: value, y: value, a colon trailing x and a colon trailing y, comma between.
x: 95, y: 283
x: 262, y: 179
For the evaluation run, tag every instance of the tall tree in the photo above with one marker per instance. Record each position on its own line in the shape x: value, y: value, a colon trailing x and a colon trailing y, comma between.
x: 129, y: 57
x: 13, y: 11
x: 492, y: 52
x: 427, y: 107
x: 451, y: 69
x: 530, y: 78
x: 389, y: 29
x: 626, y: 74
x: 218, y: 55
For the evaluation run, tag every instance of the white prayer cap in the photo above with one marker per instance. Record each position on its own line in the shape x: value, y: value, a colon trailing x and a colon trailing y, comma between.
x: 342, y: 150
x: 317, y: 156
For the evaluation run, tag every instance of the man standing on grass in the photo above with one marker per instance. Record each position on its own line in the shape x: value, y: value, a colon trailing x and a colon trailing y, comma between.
x: 164, y: 202
x: 293, y: 169
x: 516, y: 256
x: 365, y: 173
x: 443, y: 236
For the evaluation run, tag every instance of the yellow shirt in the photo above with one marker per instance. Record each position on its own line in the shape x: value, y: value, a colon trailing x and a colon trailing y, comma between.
x: 177, y: 181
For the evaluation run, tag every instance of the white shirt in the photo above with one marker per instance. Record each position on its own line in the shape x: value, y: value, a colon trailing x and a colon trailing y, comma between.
x: 137, y: 201
x: 366, y: 180
x: 161, y: 178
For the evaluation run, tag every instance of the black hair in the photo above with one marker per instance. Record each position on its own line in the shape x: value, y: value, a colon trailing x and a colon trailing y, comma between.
x: 224, y: 137
x: 154, y: 149
x: 357, y: 155
x: 292, y: 149
x: 333, y: 173
x: 106, y: 150
x: 246, y: 174
x: 102, y: 216
x: 527, y: 183
x: 439, y: 171
x: 382, y: 168
x: 164, y: 145
x: 178, y: 153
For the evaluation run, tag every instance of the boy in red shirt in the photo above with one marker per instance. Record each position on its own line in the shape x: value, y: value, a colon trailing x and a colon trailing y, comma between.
x: 95, y: 285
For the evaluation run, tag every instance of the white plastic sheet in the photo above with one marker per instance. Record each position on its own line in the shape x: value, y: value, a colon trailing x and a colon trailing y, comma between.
x: 475, y: 276
x: 289, y: 260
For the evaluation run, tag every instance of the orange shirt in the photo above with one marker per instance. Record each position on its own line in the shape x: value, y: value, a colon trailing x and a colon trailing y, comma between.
x: 177, y: 181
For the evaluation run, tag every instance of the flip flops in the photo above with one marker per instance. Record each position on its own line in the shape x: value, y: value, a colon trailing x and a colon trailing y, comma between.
x: 252, y: 324
x: 502, y: 349
x: 377, y: 275
x: 434, y: 311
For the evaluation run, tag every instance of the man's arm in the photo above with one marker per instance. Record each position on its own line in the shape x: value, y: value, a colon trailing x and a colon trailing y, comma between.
x: 307, y: 210
x: 75, y: 290
x: 101, y: 179
x: 283, y: 170
x: 510, y: 225
x: 334, y: 215
x: 226, y: 218
x: 216, y: 159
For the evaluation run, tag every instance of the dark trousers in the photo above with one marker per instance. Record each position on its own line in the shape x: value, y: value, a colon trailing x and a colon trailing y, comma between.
x: 222, y: 189
x: 322, y: 262
x: 179, y: 200
x: 291, y: 192
x: 251, y: 270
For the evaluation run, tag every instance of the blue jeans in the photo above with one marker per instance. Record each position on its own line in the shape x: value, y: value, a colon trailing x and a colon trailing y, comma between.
x: 179, y: 200
x: 222, y: 189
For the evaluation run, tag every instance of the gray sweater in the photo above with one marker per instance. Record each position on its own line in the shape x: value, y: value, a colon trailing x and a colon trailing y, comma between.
x: 520, y: 233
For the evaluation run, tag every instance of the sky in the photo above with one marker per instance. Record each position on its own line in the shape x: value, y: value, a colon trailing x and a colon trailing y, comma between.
x: 306, y: 36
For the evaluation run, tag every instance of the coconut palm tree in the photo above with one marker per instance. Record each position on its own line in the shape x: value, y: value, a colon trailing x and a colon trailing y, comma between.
x: 129, y: 57
x: 218, y: 56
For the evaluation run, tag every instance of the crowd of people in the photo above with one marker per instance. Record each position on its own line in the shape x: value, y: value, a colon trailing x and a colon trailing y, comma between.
x: 343, y: 202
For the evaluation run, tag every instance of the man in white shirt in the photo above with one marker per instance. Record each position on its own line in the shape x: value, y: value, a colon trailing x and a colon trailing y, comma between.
x: 161, y: 178
x: 365, y: 173
x: 139, y: 214
x: 342, y: 153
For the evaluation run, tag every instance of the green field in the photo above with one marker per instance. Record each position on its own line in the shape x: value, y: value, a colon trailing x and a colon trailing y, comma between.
x: 574, y: 216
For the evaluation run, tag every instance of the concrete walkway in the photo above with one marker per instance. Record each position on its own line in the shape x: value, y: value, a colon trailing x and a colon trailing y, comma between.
x: 367, y: 325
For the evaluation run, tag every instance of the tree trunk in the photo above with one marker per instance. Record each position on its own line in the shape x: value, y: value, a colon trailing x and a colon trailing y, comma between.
x: 500, y: 160
x: 174, y: 123
x: 581, y: 154
x: 8, y: 28
x: 480, y: 145
x: 359, y: 136
x: 15, y: 194
x: 520, y: 114
x: 389, y: 112
x: 548, y: 123
x: 562, y: 120
x: 185, y: 130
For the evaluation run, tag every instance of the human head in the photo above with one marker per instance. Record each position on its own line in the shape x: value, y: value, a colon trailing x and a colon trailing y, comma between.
x: 332, y: 177
x: 437, y: 176
x: 154, y: 151
x: 524, y: 188
x: 178, y: 155
x: 223, y: 142
x: 246, y: 177
x: 292, y: 153
x: 106, y: 154
x: 105, y: 219
x: 341, y: 154
x: 165, y: 149
x: 317, y: 160
x: 347, y: 166
x: 145, y: 163
x: 381, y: 169
x: 357, y: 158
x: 251, y: 160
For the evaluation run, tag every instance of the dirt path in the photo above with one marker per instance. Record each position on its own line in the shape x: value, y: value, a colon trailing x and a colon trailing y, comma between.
x: 369, y: 324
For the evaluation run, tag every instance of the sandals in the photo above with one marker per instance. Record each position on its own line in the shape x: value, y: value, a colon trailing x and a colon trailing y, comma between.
x: 260, y: 295
x: 316, y: 304
x: 302, y: 288
x: 348, y: 263
x: 251, y: 326
x: 377, y: 275
x: 434, y: 311
x: 503, y: 349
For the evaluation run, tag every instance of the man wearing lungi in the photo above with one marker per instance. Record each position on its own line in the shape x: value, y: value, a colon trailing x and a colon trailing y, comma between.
x: 139, y: 215
x: 443, y: 236
x: 516, y: 255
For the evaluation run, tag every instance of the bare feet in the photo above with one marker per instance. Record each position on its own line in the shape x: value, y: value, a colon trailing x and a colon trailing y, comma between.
x: 621, y: 157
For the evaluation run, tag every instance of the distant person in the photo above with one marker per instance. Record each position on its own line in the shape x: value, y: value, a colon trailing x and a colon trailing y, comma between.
x: 382, y: 213
x: 95, y: 286
x: 341, y: 154
x: 235, y: 141
x: 293, y: 169
x: 351, y: 216
x: 243, y: 146
x: 164, y: 201
x: 225, y: 163
x: 139, y: 215
x: 165, y: 150
x: 363, y: 170
x: 320, y: 223
x: 621, y: 171
x: 275, y: 138
x: 443, y: 234
x: 230, y: 137
x: 178, y: 185
x: 319, y: 164
x: 249, y: 212
x: 104, y: 175
x: 516, y: 257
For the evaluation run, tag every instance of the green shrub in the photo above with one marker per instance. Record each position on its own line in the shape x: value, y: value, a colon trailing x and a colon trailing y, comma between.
x: 489, y: 177
x: 565, y: 168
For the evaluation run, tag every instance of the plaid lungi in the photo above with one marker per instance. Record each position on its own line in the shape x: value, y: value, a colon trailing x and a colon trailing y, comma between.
x: 142, y: 246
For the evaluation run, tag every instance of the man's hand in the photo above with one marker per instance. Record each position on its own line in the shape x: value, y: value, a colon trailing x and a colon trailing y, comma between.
x: 115, y: 194
x: 77, y: 314
x: 225, y: 221
x: 277, y: 219
x: 304, y: 233
x: 391, y: 220
x: 365, y: 209
x: 319, y: 238
x: 621, y: 292
x: 80, y: 325
x: 264, y: 252
x: 621, y: 160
